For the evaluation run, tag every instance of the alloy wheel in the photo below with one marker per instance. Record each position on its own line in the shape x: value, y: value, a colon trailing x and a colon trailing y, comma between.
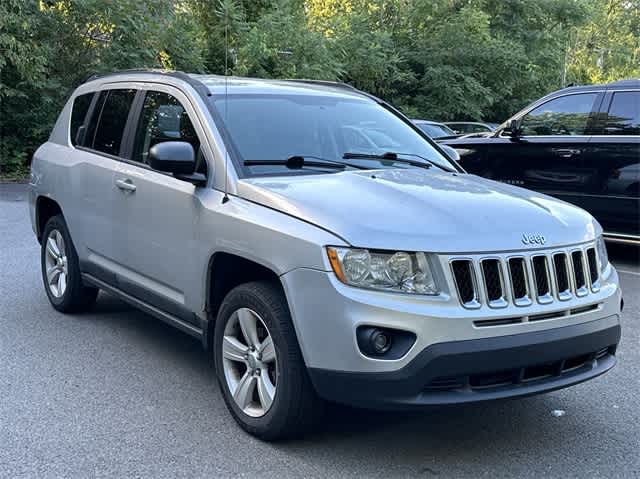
x: 249, y: 362
x: 57, y: 269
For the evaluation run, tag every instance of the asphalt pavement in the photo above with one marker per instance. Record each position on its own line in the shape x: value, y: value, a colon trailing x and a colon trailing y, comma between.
x: 116, y: 393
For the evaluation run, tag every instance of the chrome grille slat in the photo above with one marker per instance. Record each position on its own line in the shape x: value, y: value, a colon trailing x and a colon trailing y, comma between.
x: 561, y: 269
x: 493, y: 282
x: 498, y: 280
x: 542, y: 278
x: 466, y: 285
x: 579, y: 277
x: 594, y: 275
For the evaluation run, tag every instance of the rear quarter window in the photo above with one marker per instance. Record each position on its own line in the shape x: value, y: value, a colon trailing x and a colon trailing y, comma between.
x: 78, y: 114
x: 623, y: 117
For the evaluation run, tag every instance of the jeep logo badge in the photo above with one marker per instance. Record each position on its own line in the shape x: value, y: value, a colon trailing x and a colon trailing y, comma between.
x: 533, y: 239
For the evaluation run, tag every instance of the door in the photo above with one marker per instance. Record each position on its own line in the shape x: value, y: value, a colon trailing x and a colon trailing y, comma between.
x: 160, y: 212
x: 100, y: 142
x: 614, y: 195
x: 548, y: 156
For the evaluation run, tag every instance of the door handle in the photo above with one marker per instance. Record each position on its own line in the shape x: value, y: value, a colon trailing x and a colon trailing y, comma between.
x: 566, y: 152
x: 126, y: 185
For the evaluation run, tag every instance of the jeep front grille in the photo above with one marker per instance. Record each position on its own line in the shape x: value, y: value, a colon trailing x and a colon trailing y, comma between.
x: 521, y: 279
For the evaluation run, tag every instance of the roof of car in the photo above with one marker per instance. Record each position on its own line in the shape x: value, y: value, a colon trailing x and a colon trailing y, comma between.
x: 218, y: 84
x: 428, y: 122
x: 466, y: 123
x: 633, y: 83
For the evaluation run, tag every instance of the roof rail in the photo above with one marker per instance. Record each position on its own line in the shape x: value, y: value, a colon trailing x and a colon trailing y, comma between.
x: 156, y: 71
x: 334, y: 84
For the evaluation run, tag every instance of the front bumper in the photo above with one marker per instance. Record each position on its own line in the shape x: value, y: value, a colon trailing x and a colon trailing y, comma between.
x: 456, y: 357
x: 482, y: 369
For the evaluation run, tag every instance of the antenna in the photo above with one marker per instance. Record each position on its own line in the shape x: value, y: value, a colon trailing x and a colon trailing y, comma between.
x: 225, y: 198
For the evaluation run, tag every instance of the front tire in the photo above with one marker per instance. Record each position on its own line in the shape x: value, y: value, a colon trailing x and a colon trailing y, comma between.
x: 259, y: 366
x: 61, y: 270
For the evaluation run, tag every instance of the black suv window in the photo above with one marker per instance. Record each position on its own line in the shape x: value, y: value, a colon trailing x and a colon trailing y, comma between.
x: 111, y: 122
x: 624, y: 114
x: 163, y: 119
x: 78, y: 113
x: 566, y: 115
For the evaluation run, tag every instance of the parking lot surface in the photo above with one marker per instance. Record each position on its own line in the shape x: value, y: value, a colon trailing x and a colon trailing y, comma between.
x: 116, y: 393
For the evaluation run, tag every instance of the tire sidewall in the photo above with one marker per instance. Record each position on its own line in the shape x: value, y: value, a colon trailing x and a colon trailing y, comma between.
x: 275, y: 417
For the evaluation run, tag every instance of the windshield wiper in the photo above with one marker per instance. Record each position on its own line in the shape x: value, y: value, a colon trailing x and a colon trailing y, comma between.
x: 393, y: 157
x: 297, y: 162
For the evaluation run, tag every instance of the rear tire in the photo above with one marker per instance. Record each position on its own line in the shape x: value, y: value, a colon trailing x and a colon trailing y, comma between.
x: 61, y: 270
x: 293, y: 408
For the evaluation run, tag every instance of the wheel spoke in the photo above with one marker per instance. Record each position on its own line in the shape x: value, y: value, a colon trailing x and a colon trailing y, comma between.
x: 233, y: 349
x: 52, y: 248
x: 244, y: 390
x: 60, y: 243
x: 267, y: 350
x: 266, y: 390
x: 62, y: 283
x: 248, y: 326
x: 52, y: 274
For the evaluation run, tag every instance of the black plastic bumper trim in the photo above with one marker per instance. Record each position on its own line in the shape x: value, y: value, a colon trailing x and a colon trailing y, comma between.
x: 406, y: 387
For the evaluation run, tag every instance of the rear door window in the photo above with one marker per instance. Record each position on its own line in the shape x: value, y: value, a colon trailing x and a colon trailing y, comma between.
x: 624, y: 114
x: 79, y: 111
x: 567, y: 116
x: 112, y: 119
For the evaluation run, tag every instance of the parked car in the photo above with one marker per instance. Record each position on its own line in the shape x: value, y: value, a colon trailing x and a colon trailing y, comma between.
x: 435, y: 130
x: 579, y: 144
x: 466, y: 127
x: 244, y: 213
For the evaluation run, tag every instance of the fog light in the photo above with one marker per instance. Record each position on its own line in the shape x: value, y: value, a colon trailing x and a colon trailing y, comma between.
x: 384, y: 343
x: 380, y: 341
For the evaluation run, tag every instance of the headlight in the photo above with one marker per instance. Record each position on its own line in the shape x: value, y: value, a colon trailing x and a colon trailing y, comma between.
x: 388, y: 271
x: 602, y: 253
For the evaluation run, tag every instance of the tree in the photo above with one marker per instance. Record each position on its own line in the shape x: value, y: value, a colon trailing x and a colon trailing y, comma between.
x: 608, y: 47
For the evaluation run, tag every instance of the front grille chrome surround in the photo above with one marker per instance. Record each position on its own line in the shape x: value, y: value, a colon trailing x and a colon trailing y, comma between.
x: 542, y: 279
x: 521, y: 278
x: 494, y: 283
x: 561, y: 271
x: 579, y: 273
x: 466, y: 283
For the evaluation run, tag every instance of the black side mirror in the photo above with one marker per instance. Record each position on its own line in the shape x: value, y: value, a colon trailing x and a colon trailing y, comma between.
x: 178, y: 158
x: 512, y: 129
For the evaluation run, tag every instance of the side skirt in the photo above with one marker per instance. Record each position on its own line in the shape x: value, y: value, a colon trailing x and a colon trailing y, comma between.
x: 146, y: 307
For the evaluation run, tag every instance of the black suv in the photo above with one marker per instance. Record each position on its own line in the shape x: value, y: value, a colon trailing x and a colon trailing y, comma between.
x: 580, y: 144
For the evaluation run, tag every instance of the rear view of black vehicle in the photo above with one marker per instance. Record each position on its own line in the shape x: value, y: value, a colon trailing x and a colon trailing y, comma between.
x: 579, y: 144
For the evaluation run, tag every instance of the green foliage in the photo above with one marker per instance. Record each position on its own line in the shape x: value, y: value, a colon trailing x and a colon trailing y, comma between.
x: 608, y: 47
x: 436, y: 59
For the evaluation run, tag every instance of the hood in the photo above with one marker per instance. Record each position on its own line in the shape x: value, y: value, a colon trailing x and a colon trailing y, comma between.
x: 423, y: 210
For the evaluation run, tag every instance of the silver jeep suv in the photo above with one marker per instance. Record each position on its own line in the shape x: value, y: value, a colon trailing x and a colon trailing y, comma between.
x: 319, y: 244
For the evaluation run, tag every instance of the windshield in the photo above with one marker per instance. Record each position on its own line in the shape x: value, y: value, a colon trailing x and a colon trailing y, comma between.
x: 435, y: 131
x: 272, y: 127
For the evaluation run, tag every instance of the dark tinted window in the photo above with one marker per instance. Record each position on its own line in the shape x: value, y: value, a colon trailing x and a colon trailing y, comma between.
x: 566, y: 115
x: 624, y: 114
x: 93, y: 121
x: 113, y: 118
x: 163, y: 119
x: 78, y: 113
